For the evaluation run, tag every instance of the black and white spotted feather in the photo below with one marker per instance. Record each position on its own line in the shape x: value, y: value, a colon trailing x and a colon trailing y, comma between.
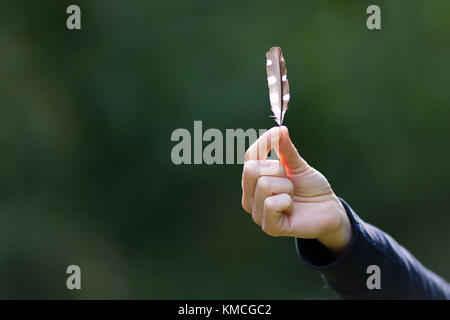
x: 278, y: 83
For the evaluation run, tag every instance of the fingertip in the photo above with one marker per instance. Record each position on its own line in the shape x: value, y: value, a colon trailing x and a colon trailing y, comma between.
x: 284, y: 135
x: 274, y: 130
x: 275, y: 136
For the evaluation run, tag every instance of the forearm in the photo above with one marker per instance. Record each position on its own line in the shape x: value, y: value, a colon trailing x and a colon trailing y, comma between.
x: 402, y: 276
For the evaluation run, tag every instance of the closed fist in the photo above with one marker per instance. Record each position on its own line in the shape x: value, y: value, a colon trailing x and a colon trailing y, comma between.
x: 289, y: 197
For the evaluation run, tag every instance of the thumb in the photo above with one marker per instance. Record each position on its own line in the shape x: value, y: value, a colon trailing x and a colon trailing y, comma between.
x: 288, y: 154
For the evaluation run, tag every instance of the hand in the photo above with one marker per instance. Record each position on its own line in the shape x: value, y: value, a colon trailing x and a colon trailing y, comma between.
x: 290, y: 198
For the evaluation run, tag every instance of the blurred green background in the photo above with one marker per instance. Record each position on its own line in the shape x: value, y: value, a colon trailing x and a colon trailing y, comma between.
x: 86, y: 117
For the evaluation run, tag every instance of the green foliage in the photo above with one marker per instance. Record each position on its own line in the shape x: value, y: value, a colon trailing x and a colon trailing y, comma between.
x: 86, y: 118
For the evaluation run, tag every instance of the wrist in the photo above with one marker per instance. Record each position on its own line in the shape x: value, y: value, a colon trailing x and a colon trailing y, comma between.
x: 339, y: 239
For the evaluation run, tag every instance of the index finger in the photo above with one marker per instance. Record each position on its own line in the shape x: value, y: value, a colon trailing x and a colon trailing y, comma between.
x: 261, y: 147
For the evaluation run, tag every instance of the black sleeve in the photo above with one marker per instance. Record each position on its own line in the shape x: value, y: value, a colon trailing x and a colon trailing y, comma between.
x: 402, y: 276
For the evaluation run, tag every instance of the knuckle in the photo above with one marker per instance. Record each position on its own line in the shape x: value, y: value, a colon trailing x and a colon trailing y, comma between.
x: 269, y: 204
x: 250, y: 164
x: 245, y: 204
x: 251, y: 168
x: 247, y: 165
x: 256, y: 219
x: 263, y: 183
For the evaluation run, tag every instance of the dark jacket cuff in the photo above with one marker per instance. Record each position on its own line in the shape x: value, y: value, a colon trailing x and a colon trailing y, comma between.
x: 345, y: 274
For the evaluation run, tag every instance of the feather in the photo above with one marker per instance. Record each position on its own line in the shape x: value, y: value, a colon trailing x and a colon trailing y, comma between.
x: 278, y: 83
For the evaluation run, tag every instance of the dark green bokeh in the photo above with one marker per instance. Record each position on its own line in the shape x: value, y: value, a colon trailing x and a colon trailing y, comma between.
x: 86, y: 116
